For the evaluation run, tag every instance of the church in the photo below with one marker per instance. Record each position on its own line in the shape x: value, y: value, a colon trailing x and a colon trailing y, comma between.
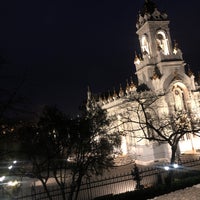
x: 160, y: 72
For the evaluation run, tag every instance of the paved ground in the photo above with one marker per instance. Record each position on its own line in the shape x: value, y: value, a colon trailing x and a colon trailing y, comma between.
x: 190, y: 193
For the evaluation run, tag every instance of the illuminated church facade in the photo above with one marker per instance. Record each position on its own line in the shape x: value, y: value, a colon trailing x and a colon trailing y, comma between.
x: 161, y: 69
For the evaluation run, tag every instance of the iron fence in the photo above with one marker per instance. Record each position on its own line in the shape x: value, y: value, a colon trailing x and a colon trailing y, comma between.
x: 115, y: 184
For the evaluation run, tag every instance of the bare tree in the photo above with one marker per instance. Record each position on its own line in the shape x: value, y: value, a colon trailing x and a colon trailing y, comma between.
x: 68, y: 149
x: 146, y: 119
x: 147, y: 116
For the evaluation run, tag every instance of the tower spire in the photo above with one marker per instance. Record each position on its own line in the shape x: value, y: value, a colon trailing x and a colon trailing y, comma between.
x: 149, y: 12
x: 89, y: 94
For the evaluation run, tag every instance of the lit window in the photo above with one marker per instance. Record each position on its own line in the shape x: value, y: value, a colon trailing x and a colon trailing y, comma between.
x: 162, y: 42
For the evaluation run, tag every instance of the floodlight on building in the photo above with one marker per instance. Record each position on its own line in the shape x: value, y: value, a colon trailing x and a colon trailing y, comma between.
x: 166, y: 168
x: 175, y: 51
x: 175, y: 165
x: 10, y: 167
x: 2, y: 178
x: 12, y: 183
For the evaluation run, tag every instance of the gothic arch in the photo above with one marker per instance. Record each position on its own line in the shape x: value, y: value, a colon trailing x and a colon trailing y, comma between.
x: 167, y: 81
x: 180, y: 96
x: 162, y: 42
x: 145, y: 44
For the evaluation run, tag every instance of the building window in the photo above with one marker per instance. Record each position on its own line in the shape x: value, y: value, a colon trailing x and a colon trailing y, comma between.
x: 162, y: 42
x: 145, y: 45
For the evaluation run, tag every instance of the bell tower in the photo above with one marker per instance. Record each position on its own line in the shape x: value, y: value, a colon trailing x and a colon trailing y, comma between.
x: 159, y: 56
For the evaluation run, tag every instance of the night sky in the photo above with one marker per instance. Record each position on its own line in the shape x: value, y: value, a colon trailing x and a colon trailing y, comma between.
x: 54, y: 49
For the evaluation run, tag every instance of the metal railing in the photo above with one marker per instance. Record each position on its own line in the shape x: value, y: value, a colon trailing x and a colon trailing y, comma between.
x: 115, y: 184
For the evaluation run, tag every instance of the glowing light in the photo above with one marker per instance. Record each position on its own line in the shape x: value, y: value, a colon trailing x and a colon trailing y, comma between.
x: 2, y: 178
x: 175, y: 165
x: 10, y: 167
x: 166, y: 168
x: 14, y: 162
x: 175, y: 51
x: 12, y: 183
x: 145, y: 46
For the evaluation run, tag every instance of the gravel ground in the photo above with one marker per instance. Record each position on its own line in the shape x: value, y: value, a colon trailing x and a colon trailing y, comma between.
x: 190, y: 193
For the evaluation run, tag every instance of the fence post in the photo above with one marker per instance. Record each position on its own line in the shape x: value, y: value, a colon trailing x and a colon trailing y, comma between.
x: 33, y: 192
x: 89, y: 188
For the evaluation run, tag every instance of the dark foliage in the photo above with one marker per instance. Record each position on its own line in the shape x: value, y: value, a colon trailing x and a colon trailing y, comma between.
x: 67, y: 149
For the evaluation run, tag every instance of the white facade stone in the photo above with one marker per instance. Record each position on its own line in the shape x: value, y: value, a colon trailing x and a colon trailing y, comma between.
x: 162, y: 69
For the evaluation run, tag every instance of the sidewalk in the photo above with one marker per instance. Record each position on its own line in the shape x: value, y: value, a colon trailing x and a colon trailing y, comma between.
x: 190, y: 193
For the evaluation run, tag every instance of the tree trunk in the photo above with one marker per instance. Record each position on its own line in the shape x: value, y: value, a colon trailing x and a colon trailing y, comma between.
x: 170, y: 176
x: 75, y: 187
x: 173, y: 154
x: 72, y: 190
x: 78, y: 186
x: 46, y: 189
x: 62, y: 188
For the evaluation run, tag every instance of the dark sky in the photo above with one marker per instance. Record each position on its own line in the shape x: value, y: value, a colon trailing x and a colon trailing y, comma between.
x: 59, y: 47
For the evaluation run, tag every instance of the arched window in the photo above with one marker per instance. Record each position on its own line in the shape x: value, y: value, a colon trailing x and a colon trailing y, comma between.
x: 179, y: 100
x: 162, y: 42
x: 145, y: 45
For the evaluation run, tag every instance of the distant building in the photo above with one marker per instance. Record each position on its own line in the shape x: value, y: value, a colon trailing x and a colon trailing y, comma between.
x: 160, y: 70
